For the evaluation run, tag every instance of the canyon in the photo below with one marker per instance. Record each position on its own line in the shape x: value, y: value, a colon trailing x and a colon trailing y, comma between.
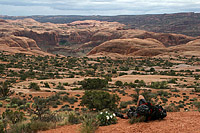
x: 90, y: 37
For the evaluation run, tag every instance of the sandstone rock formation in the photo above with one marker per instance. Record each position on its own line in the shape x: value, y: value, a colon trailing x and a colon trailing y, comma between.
x: 126, y: 46
x: 80, y: 37
x: 23, y: 42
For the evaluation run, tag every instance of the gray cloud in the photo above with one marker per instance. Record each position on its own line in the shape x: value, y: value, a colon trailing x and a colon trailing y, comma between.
x: 96, y: 7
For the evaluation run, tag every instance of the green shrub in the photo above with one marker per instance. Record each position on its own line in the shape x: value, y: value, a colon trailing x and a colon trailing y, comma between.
x: 122, y: 73
x: 159, y: 85
x: 8, y: 106
x: 164, y: 100
x: 55, y: 106
x: 22, y: 127
x: 84, y: 109
x: 196, y: 89
x: 181, y: 105
x: 66, y: 84
x: 123, y: 104
x: 60, y: 87
x: 17, y: 101
x: 22, y: 107
x: 93, y: 84
x: 50, y: 117
x: 172, y: 108
x: 39, y: 107
x: 197, y: 104
x: 14, y: 105
x: 73, y: 118
x: 41, y: 126
x: 100, y: 100
x: 46, y: 85
x: 13, y: 116
x: 77, y: 95
x: 3, y: 126
x: 172, y: 81
x: 119, y: 83
x: 72, y: 100
x: 163, y: 93
x: 34, y: 86
x: 89, y: 123
x: 175, y: 90
x: 106, y: 118
x: 5, y: 90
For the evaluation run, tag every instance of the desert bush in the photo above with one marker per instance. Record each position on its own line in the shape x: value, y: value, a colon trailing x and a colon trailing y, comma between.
x: 50, y: 117
x: 66, y: 84
x: 197, y: 104
x: 106, y: 118
x: 7, y: 100
x: 3, y: 126
x: 172, y: 108
x: 73, y: 118
x: 72, y: 100
x: 84, y: 109
x: 123, y: 104
x: 39, y: 107
x: 60, y: 87
x: 34, y: 86
x: 119, y: 83
x: 2, y: 68
x: 55, y: 106
x: 174, y: 90
x: 22, y: 127
x: 141, y: 83
x: 163, y: 93
x: 46, y: 85
x: 159, y: 85
x: 89, y: 123
x: 164, y: 100
x: 123, y: 68
x: 196, y: 89
x: 181, y: 105
x: 65, y: 98
x: 77, y: 95
x: 13, y: 116
x: 17, y: 101
x: 137, y: 119
x: 5, y: 90
x: 93, y: 84
x: 148, y: 95
x: 122, y: 73
x: 36, y: 126
x: 100, y: 100
x: 172, y: 81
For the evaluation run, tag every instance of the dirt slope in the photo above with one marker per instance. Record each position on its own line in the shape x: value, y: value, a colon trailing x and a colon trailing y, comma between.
x: 176, y: 122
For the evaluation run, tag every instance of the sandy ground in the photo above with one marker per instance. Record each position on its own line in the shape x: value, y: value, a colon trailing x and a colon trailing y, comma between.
x: 176, y: 122
x: 146, y: 78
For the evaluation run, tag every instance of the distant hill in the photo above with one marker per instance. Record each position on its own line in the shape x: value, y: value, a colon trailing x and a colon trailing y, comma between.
x: 179, y: 23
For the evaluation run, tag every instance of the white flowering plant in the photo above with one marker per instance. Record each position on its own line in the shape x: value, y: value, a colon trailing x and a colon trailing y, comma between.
x: 106, y: 118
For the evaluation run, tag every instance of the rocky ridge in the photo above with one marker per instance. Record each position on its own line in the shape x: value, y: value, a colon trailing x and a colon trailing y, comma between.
x: 90, y: 36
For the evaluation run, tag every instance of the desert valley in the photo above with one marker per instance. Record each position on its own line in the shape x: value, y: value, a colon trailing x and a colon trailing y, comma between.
x: 60, y: 76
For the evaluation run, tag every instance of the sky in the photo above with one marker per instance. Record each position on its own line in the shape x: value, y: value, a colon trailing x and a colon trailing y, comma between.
x: 96, y: 7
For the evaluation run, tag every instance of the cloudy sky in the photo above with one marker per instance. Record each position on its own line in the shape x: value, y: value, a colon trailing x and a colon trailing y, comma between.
x: 96, y: 7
